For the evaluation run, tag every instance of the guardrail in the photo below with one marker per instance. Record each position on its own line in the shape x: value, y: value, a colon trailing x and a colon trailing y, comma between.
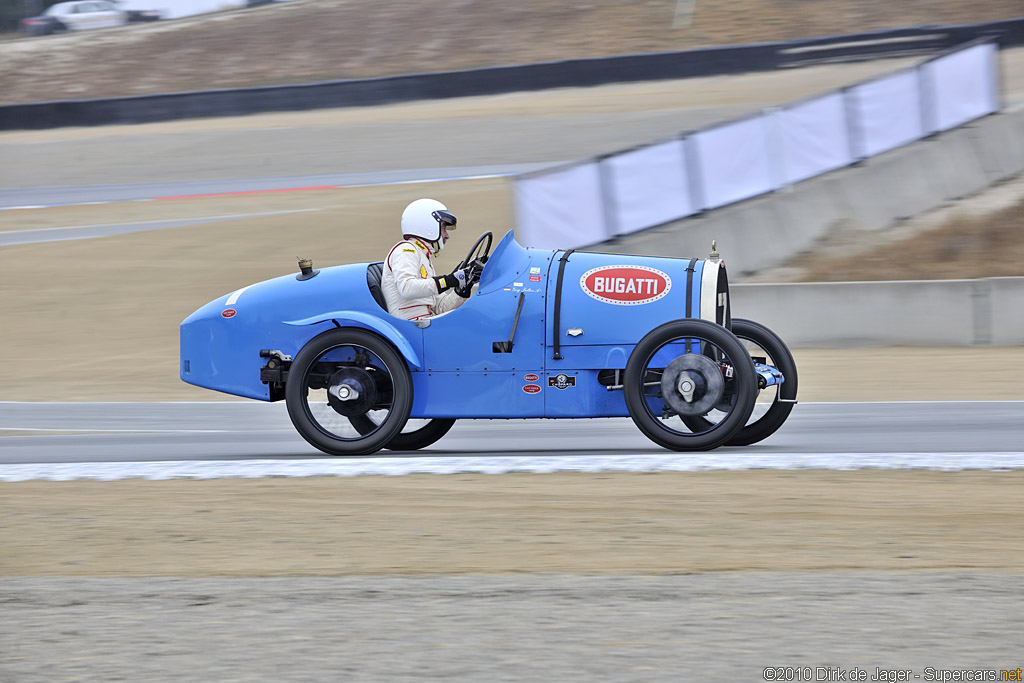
x: 496, y: 80
x: 599, y: 199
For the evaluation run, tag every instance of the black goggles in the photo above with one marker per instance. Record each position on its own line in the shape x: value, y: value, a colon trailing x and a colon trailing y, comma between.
x: 445, y: 218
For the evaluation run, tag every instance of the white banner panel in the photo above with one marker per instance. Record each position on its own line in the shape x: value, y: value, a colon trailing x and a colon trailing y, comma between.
x: 562, y: 209
x: 886, y: 113
x: 962, y: 86
x: 733, y: 162
x: 813, y: 138
x: 649, y: 186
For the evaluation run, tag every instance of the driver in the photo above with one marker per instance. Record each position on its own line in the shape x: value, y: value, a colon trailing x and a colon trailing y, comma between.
x: 411, y: 288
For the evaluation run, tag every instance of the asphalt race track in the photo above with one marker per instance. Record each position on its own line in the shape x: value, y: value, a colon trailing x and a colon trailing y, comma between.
x: 162, y: 440
x: 126, y: 192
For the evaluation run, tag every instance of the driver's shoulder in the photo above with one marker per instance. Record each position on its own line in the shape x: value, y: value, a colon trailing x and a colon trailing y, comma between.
x: 402, y: 248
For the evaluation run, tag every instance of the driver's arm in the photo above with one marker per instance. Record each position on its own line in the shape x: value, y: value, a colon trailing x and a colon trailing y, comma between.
x: 448, y: 301
x: 411, y: 282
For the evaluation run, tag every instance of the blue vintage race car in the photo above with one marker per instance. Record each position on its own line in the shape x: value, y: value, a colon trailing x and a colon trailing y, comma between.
x: 547, y: 333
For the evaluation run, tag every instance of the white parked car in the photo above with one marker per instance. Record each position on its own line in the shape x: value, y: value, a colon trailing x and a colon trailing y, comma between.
x: 76, y: 15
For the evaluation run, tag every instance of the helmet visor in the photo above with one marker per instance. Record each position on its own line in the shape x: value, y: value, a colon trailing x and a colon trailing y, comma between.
x: 445, y: 218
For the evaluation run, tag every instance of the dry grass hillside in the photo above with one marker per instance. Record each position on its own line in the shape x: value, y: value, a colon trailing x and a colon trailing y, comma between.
x: 989, y: 246
x: 310, y: 40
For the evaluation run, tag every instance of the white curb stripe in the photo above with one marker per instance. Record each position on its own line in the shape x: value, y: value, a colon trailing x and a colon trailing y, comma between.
x: 352, y: 467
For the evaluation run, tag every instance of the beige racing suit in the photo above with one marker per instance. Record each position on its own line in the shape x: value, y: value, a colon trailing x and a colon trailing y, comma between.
x: 411, y: 288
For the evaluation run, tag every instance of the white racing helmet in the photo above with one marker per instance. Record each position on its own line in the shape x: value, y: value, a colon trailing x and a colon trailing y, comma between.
x: 429, y: 220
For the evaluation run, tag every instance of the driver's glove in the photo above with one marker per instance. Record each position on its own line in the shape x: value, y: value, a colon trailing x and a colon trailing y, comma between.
x: 459, y: 279
x: 463, y: 276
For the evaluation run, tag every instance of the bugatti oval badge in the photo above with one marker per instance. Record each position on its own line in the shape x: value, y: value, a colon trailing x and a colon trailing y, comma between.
x: 531, y: 377
x: 531, y: 389
x: 228, y: 313
x: 625, y: 285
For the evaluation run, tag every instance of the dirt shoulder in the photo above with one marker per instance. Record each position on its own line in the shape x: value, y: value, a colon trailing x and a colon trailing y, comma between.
x: 662, y: 523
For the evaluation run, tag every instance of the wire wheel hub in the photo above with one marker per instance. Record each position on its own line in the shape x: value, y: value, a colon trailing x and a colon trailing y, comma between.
x: 351, y: 391
x: 692, y: 384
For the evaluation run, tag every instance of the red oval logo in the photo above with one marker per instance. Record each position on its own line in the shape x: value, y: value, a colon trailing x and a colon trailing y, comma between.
x: 625, y: 285
x: 531, y: 389
x: 531, y: 377
x: 228, y: 313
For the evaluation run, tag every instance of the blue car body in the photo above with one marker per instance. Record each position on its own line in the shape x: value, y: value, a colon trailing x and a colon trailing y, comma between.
x: 608, y: 302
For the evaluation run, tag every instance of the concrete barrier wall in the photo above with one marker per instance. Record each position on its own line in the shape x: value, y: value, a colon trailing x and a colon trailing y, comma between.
x: 765, y: 231
x: 984, y: 312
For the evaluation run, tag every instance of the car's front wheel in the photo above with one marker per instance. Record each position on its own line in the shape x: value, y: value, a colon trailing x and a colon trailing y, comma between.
x: 349, y: 392
x: 688, y: 369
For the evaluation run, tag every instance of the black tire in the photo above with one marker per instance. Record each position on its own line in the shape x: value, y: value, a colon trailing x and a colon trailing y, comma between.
x: 780, y: 357
x: 768, y: 422
x: 321, y: 424
x: 714, y: 341
x: 411, y: 440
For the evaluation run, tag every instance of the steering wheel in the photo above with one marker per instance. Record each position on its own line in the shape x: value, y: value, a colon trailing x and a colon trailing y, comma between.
x: 477, y: 257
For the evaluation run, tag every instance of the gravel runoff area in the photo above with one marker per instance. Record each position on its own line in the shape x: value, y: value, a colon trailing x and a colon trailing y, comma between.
x: 743, y: 626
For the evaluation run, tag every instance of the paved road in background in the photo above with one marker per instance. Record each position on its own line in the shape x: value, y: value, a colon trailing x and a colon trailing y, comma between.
x: 422, y: 141
x: 154, y: 432
x: 148, y: 155
x: 124, y: 192
x: 536, y: 128
x: 148, y: 165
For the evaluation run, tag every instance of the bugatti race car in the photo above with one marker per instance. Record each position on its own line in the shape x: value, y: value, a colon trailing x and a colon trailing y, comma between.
x: 545, y: 334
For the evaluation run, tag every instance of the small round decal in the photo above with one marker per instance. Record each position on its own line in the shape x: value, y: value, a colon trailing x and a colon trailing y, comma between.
x: 562, y: 381
x: 228, y: 313
x: 531, y: 389
x: 625, y: 285
x: 531, y: 377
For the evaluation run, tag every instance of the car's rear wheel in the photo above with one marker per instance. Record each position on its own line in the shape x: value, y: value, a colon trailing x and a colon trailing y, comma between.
x: 344, y: 375
x: 774, y: 404
x: 687, y: 369
x: 416, y: 435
